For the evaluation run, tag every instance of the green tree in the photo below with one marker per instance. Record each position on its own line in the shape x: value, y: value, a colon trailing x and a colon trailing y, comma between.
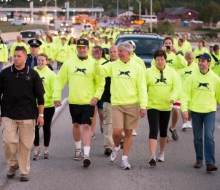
x: 210, y: 13
x: 165, y: 27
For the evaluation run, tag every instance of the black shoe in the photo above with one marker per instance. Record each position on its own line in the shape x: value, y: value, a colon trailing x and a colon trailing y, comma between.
x: 108, y: 151
x: 86, y: 162
x: 174, y: 134
x: 24, y: 177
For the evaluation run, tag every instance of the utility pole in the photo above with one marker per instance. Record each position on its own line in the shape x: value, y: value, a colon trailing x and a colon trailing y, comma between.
x: 139, y: 12
x: 32, y: 10
x: 151, y: 15
x: 117, y: 8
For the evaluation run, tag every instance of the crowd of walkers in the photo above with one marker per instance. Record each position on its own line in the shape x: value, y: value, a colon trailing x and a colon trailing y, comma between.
x: 112, y: 81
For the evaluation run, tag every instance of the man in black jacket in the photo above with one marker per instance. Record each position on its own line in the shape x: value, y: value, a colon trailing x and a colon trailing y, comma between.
x: 106, y: 98
x: 21, y: 90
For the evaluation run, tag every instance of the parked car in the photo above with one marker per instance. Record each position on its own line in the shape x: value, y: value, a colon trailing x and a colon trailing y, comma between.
x: 87, y: 27
x: 146, y: 44
x: 18, y: 22
x: 29, y: 34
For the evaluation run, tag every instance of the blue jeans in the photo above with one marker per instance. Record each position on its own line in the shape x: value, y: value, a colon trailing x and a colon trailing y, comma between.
x: 208, y: 120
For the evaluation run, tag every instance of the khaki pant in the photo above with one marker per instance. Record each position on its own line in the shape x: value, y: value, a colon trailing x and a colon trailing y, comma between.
x: 18, y: 136
x: 108, y: 130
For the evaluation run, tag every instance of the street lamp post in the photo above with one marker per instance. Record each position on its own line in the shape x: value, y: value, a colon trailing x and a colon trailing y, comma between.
x: 117, y: 8
x: 139, y: 12
x: 151, y: 15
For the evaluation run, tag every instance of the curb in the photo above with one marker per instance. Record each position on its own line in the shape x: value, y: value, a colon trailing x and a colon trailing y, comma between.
x: 59, y: 109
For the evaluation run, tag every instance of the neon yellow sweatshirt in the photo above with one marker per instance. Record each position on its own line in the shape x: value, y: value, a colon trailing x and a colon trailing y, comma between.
x: 161, y: 91
x: 176, y: 62
x: 215, y: 67
x: 3, y: 53
x: 138, y: 60
x: 128, y: 84
x: 187, y: 46
x: 63, y: 53
x: 12, y: 50
x: 47, y: 77
x: 200, y: 92
x: 73, y: 49
x: 50, y: 50
x: 188, y: 71
x: 84, y: 84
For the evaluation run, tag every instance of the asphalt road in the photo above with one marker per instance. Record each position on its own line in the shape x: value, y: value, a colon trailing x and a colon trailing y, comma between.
x: 62, y: 172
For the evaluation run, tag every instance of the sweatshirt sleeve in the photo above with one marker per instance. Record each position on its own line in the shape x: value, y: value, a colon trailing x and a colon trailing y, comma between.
x: 217, y: 93
x: 5, y: 53
x: 142, y: 89
x: 182, y: 63
x: 38, y: 89
x: 12, y: 49
x: 99, y: 84
x: 103, y: 70
x: 176, y: 87
x: 185, y: 96
x: 60, y: 81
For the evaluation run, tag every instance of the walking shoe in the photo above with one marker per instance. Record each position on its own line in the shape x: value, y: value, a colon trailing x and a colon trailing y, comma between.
x: 152, y: 160
x: 134, y: 133
x: 46, y: 155
x: 160, y: 157
x: 36, y: 155
x: 125, y: 164
x: 114, y: 155
x: 24, y: 177
x: 198, y: 165
x: 86, y: 162
x: 211, y: 167
x: 184, y: 127
x: 78, y: 154
x: 108, y: 151
x: 93, y: 136
x: 174, y: 134
x: 189, y: 125
x: 11, y: 171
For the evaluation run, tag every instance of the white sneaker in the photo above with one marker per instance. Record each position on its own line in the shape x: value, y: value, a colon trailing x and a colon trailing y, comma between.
x: 125, y: 164
x: 152, y: 160
x: 160, y: 157
x: 114, y: 155
x: 189, y: 125
x: 134, y: 133
x: 184, y: 127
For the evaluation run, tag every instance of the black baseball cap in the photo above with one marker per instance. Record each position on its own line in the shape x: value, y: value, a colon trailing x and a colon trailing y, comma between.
x: 35, y: 42
x: 205, y: 56
x: 82, y: 42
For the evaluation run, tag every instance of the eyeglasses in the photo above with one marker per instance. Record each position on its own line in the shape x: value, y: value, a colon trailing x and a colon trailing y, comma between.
x: 161, y: 75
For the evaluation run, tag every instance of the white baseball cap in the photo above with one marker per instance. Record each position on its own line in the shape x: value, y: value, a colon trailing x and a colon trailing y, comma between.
x: 132, y: 43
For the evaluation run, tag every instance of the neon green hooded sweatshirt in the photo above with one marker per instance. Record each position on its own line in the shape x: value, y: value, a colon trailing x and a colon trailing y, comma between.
x: 162, y: 90
x: 138, y: 60
x: 47, y: 77
x: 14, y: 45
x: 200, y: 92
x: 63, y: 53
x: 84, y: 84
x: 50, y: 50
x: 176, y: 62
x: 188, y: 71
x: 128, y: 84
x: 3, y: 53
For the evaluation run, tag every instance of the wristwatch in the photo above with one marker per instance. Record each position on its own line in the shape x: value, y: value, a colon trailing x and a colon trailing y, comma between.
x: 41, y: 115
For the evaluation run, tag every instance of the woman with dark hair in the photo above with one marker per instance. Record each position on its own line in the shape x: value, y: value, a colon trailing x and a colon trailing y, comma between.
x: 47, y: 76
x: 163, y: 88
x: 215, y: 60
x: 3, y: 54
x: 100, y: 102
x: 200, y: 49
x: 72, y: 44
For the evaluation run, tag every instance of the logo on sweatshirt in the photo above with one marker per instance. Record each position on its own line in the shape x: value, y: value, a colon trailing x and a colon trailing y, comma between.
x: 124, y: 73
x: 188, y: 72
x: 203, y: 84
x: 80, y: 70
x: 169, y: 61
x: 42, y: 79
x: 161, y: 80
